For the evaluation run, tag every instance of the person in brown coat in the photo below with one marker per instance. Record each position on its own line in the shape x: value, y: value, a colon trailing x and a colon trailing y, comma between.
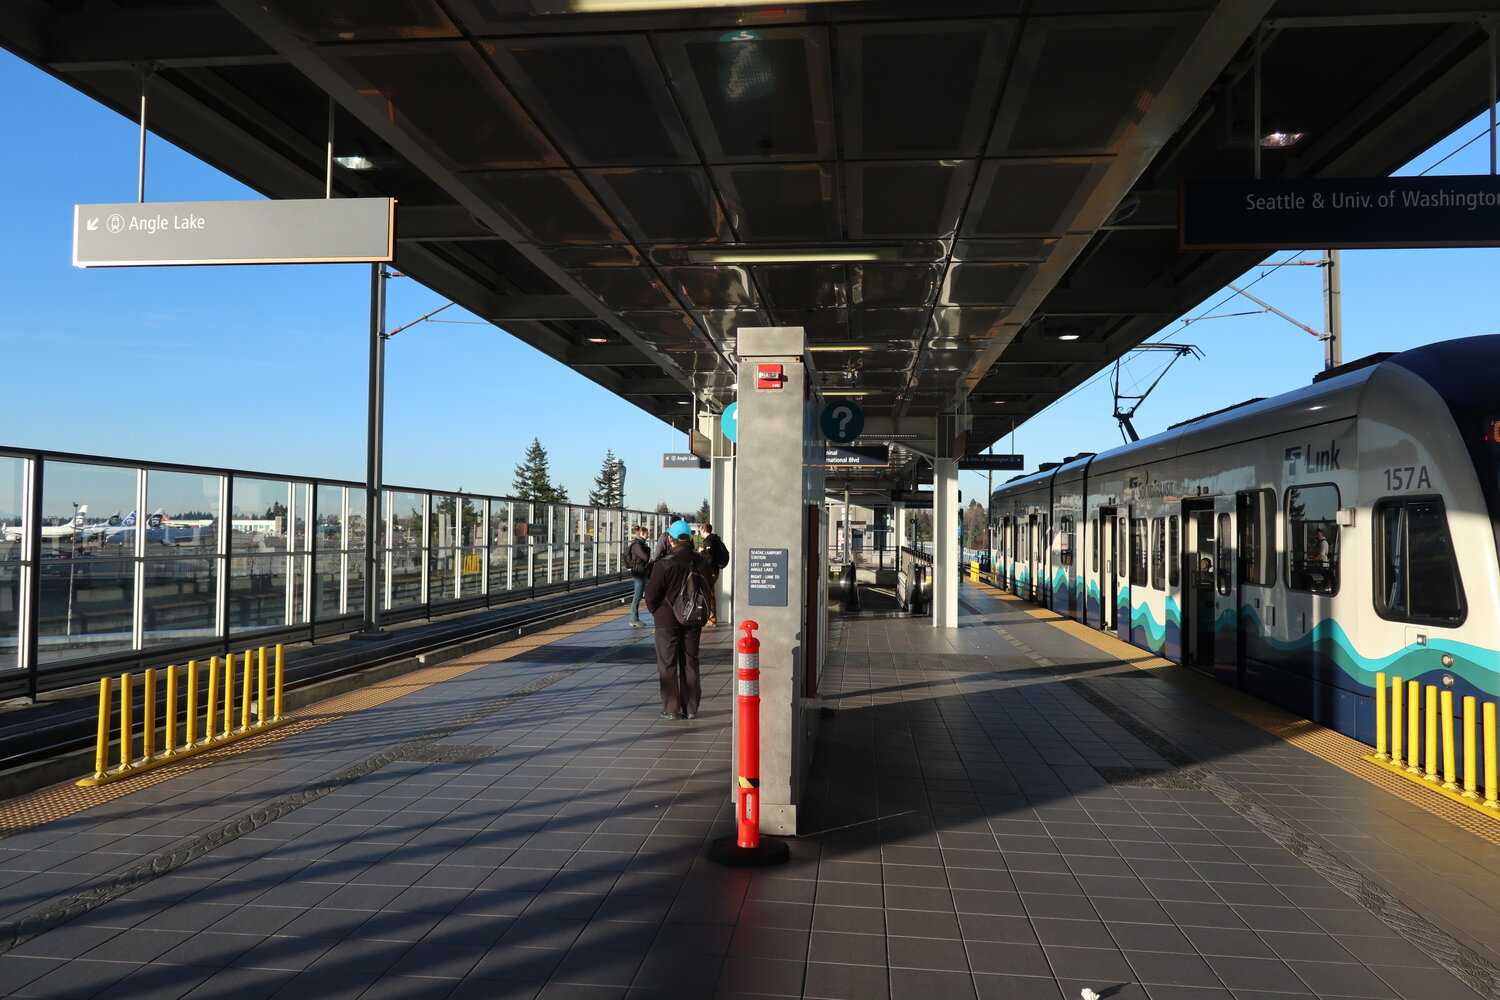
x: 676, y: 644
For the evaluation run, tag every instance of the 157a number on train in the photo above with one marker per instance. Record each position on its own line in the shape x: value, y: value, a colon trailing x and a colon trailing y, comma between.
x: 1408, y: 477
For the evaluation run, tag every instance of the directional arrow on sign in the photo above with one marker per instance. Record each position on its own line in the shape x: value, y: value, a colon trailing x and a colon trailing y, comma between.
x: 93, y: 224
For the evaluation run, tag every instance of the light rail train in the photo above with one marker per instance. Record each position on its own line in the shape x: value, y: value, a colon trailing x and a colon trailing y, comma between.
x: 1292, y: 546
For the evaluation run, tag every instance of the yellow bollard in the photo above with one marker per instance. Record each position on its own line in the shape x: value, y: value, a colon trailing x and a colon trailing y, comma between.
x: 211, y: 717
x: 1431, y: 721
x: 228, y: 694
x: 247, y: 669
x: 1471, y: 779
x: 279, y: 652
x: 1396, y: 690
x: 192, y: 704
x: 1450, y: 763
x: 1382, y: 743
x: 1413, y: 726
x: 1491, y: 780
x: 260, y: 716
x: 171, y: 735
x: 126, y: 742
x: 148, y: 717
x: 101, y: 749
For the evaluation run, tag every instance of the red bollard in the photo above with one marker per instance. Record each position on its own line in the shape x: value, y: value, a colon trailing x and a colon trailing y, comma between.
x: 746, y: 847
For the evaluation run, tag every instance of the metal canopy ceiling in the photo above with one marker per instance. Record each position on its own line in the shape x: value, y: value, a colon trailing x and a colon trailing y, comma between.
x: 624, y: 191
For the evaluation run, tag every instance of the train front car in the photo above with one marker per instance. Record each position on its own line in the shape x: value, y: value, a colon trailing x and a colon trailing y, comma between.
x: 1429, y: 473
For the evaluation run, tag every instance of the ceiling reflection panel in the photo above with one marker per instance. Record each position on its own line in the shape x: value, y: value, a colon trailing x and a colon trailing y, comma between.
x: 884, y: 324
x: 789, y: 203
x: 551, y: 206
x: 359, y: 20
x: 414, y: 85
x: 907, y: 199
x: 663, y: 205
x: 893, y: 284
x: 754, y: 96
x: 596, y: 256
x: 967, y: 323
x: 723, y: 325
x: 627, y: 288
x: 986, y: 284
x: 601, y: 97
x: 667, y: 331
x: 712, y: 287
x: 1031, y: 198
x: 915, y: 90
x: 801, y: 286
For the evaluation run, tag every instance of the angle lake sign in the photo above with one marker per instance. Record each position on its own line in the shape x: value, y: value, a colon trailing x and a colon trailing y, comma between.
x: 1340, y: 213
x: 300, y: 231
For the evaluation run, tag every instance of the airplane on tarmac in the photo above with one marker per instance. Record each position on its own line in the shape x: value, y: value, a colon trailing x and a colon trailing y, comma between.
x: 14, y: 533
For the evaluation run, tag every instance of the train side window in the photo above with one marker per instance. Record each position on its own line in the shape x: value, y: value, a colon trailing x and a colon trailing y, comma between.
x: 1257, y: 556
x: 1224, y: 575
x: 1158, y: 554
x: 1174, y: 561
x: 1312, y: 539
x: 1094, y: 548
x: 1137, y: 551
x: 1065, y: 541
x: 1416, y: 571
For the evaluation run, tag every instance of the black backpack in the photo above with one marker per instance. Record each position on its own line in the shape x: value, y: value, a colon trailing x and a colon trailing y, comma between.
x: 717, y: 552
x: 637, y: 556
x: 690, y: 605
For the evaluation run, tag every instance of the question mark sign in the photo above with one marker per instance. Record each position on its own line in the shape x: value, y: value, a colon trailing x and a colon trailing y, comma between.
x: 843, y: 415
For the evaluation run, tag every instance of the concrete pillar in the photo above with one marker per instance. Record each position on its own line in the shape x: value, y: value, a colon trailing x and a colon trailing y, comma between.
x: 775, y: 482
x: 946, y: 518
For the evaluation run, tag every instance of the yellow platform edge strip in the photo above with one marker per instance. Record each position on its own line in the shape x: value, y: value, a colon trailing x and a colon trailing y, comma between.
x: 1326, y: 744
x: 45, y: 805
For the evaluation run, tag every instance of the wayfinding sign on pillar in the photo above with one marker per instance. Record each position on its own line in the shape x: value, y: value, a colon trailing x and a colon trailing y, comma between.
x: 778, y: 478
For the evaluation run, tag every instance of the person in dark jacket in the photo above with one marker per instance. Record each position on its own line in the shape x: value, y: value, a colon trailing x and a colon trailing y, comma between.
x: 638, y: 561
x: 676, y: 644
x: 716, y: 555
x: 664, y: 540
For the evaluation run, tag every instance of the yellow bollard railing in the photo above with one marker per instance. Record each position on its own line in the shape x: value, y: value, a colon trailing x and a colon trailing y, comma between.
x: 148, y: 717
x: 1471, y: 757
x: 1450, y: 763
x: 1491, y: 780
x: 1431, y: 730
x: 191, y: 729
x: 267, y: 691
x: 171, y: 740
x: 1382, y: 742
x: 1396, y: 703
x: 1413, y: 727
x: 101, y: 748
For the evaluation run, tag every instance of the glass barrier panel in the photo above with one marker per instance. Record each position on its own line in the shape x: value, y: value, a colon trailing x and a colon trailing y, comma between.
x: 184, y: 513
x: 327, y: 584
x: 355, y: 534
x: 87, y: 605
x: 179, y: 598
x: 470, y: 571
x: 10, y: 618
x: 300, y: 515
x: 501, y: 543
x: 257, y: 590
x: 405, y: 526
x: 471, y: 522
x: 261, y: 515
x: 440, y: 575
x: 355, y: 589
x: 13, y: 499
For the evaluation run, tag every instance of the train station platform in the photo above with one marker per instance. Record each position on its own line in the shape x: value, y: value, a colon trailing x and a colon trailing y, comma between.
x: 1006, y: 809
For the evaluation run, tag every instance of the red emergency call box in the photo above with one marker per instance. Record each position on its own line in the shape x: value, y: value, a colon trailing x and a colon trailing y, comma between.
x: 769, y: 377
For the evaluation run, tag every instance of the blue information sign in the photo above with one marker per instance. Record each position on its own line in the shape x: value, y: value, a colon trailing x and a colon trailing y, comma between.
x: 768, y: 576
x: 842, y: 421
x: 729, y: 422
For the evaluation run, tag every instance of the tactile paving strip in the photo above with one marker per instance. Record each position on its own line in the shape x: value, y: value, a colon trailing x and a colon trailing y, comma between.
x: 59, y: 801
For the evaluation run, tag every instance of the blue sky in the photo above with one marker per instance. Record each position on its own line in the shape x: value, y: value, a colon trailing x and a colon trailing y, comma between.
x: 263, y: 369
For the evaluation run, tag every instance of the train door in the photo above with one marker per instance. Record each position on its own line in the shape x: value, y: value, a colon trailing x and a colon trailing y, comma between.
x: 1033, y: 585
x: 1228, y: 664
x: 1044, y: 558
x: 1109, y: 579
x: 1130, y: 549
x: 1199, y: 584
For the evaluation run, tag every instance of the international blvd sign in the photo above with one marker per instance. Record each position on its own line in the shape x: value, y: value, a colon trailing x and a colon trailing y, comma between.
x: 682, y: 460
x: 301, y: 231
x: 1340, y: 213
x: 845, y: 456
x: 1008, y: 463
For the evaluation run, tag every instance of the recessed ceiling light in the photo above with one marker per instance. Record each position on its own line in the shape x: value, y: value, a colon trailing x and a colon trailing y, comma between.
x: 844, y: 392
x: 598, y: 340
x: 626, y: 6
x: 354, y: 162
x: 1069, y: 335
x: 1281, y: 140
x: 811, y: 255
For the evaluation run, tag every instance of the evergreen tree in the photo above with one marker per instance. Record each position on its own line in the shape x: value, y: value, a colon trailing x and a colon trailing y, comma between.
x: 662, y: 508
x: 704, y: 514
x: 976, y: 522
x: 609, y: 489
x: 533, y: 481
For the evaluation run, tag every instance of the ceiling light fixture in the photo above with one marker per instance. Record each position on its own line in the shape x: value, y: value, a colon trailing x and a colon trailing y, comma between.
x: 844, y: 392
x: 354, y: 162
x: 1281, y: 140
x: 842, y: 347
x: 1069, y: 335
x: 818, y: 255
x: 598, y: 340
x: 626, y: 6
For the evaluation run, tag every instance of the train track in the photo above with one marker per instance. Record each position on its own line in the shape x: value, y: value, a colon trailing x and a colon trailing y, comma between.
x: 63, y: 727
